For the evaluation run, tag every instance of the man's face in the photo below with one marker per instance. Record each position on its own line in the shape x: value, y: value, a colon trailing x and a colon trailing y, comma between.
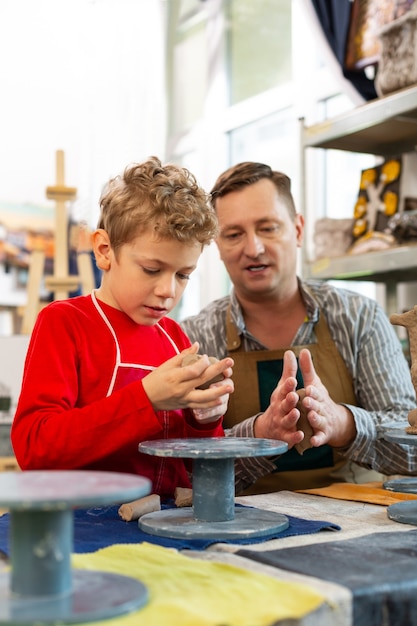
x: 258, y: 240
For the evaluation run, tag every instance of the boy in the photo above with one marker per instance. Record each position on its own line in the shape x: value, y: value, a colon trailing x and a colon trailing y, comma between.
x: 104, y: 372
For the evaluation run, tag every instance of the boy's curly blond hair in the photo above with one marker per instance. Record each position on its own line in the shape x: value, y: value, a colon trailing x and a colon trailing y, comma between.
x: 164, y: 198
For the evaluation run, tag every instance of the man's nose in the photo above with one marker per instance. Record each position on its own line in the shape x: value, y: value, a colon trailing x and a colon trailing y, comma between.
x: 254, y: 245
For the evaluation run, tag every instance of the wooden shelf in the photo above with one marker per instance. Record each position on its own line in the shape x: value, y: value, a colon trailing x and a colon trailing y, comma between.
x: 384, y: 126
x: 394, y: 265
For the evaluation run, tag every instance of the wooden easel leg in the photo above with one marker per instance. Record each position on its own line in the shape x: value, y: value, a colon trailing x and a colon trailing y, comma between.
x: 36, y: 267
x: 85, y: 272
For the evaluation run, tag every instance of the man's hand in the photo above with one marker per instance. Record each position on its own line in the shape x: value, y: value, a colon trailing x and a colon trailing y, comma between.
x: 332, y: 423
x: 279, y: 421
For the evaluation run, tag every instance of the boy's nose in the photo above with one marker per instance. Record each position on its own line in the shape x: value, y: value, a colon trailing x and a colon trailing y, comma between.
x: 166, y: 287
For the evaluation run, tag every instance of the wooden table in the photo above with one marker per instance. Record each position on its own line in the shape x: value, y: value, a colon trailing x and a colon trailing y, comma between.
x: 359, y: 521
x: 356, y: 519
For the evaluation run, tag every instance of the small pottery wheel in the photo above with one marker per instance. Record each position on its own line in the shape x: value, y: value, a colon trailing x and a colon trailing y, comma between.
x: 406, y: 511
x: 213, y: 514
x: 41, y: 587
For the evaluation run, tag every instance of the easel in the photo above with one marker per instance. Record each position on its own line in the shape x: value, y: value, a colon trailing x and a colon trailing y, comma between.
x: 61, y: 283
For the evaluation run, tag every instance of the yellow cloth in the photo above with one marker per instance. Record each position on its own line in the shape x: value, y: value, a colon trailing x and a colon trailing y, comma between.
x: 185, y: 591
x: 372, y: 493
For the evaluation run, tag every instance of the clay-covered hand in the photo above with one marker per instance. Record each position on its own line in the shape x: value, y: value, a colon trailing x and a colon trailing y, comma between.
x: 172, y: 386
x: 332, y: 423
x: 205, y: 416
x: 279, y: 421
x: 189, y: 359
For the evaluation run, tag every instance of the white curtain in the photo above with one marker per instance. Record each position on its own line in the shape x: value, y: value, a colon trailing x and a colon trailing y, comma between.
x: 83, y: 76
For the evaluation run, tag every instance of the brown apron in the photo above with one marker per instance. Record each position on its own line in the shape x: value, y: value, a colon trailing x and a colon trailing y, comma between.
x: 256, y: 374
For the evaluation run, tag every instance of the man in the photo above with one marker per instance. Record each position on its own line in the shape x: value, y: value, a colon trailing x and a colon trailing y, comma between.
x: 360, y: 380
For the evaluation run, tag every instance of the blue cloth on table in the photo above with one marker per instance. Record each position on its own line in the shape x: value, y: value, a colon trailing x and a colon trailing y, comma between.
x: 98, y: 527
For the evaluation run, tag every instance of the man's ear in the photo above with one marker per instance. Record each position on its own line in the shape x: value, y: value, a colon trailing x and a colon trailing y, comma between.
x: 299, y: 229
x: 102, y: 249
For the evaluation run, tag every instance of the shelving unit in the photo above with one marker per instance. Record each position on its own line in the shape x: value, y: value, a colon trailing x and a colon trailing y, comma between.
x: 385, y: 127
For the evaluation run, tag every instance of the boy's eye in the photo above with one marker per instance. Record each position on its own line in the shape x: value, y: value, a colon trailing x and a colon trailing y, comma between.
x: 152, y: 272
x: 182, y: 276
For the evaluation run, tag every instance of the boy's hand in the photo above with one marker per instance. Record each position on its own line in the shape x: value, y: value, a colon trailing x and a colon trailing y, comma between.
x: 171, y: 386
x: 189, y: 359
x: 205, y: 416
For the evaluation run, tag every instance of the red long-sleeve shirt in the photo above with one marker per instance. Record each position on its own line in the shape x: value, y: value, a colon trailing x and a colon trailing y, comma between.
x: 66, y: 420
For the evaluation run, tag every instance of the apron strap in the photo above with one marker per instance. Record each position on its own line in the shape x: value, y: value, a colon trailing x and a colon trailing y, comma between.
x: 232, y: 335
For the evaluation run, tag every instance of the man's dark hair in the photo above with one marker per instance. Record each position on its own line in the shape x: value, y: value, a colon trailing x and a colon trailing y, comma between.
x: 248, y: 173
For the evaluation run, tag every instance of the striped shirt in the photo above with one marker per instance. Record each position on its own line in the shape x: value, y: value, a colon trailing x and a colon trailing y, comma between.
x: 372, y: 352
